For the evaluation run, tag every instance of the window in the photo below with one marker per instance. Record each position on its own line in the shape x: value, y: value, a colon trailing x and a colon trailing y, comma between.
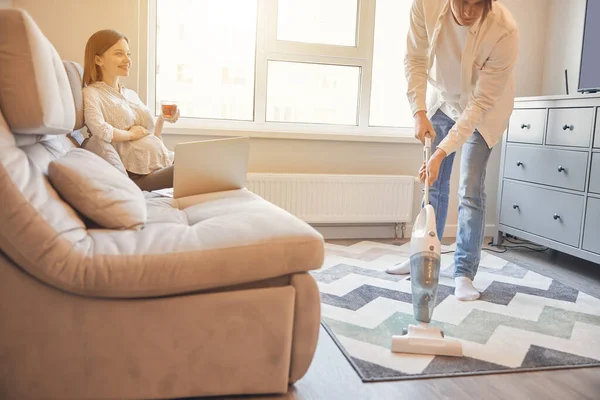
x: 205, y: 57
x: 316, y: 21
x: 310, y: 65
x: 312, y: 93
x: 389, y: 105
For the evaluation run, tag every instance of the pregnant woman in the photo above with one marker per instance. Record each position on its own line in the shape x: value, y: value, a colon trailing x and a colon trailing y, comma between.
x: 117, y: 116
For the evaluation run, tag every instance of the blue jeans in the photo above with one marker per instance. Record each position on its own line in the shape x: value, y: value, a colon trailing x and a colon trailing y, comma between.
x: 471, y: 193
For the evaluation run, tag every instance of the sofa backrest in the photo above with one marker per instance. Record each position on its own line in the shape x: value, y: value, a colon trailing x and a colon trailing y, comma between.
x: 37, y: 111
x: 35, y: 94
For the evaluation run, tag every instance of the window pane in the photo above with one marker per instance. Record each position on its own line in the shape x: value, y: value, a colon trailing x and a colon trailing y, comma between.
x: 389, y: 105
x: 205, y: 57
x: 318, y: 21
x: 312, y: 93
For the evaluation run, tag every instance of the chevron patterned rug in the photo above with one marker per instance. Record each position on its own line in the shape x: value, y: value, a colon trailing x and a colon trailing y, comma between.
x: 523, y: 321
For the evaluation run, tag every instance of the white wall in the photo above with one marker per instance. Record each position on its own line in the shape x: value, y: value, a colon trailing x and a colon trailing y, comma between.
x: 285, y: 155
x: 563, y: 45
x: 69, y: 23
x: 532, y: 18
x: 6, y: 3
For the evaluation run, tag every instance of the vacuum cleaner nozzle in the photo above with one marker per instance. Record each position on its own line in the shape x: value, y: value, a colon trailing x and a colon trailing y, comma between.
x: 423, y: 339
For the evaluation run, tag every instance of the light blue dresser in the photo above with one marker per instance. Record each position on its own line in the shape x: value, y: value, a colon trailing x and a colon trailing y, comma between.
x: 549, y: 190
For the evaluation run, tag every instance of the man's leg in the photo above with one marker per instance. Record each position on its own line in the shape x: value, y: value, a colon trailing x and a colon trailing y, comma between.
x: 471, y: 215
x: 439, y: 192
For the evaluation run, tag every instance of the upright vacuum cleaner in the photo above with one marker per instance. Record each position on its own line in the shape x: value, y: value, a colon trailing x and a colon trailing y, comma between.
x: 425, y: 258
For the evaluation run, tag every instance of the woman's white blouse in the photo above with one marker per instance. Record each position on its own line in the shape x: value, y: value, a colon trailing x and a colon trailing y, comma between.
x: 105, y: 109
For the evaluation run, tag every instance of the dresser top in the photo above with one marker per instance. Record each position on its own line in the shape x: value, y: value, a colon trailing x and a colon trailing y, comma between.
x: 577, y: 96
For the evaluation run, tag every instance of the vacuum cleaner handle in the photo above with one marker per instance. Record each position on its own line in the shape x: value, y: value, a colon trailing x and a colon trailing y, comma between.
x: 427, y: 155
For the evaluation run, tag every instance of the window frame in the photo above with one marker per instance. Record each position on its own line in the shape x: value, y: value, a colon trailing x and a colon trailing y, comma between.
x: 268, y: 48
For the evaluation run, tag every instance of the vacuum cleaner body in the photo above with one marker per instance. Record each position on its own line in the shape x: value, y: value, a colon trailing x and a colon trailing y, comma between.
x: 425, y: 260
x: 425, y: 264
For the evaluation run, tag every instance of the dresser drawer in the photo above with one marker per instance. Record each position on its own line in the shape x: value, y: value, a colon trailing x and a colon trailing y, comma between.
x: 570, y: 126
x: 595, y: 174
x: 591, y: 231
x: 543, y: 212
x: 561, y: 168
x: 527, y: 126
x: 597, y: 135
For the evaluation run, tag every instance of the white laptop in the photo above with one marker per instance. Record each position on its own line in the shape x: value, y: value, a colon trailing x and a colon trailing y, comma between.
x: 209, y: 166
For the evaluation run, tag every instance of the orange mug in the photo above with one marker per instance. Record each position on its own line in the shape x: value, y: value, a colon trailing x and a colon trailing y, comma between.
x: 169, y: 109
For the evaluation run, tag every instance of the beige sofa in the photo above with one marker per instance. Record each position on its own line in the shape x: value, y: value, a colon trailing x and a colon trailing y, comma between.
x: 208, y: 298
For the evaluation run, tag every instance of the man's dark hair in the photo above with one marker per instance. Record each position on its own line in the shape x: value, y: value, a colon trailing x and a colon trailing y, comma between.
x: 487, y: 7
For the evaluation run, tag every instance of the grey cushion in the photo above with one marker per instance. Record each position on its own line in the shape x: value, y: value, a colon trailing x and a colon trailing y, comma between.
x: 98, y: 191
x: 105, y: 151
x: 75, y: 76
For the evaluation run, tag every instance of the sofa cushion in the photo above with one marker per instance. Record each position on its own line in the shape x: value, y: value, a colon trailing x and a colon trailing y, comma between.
x: 211, y: 241
x: 98, y: 191
x: 35, y: 94
x: 106, y: 151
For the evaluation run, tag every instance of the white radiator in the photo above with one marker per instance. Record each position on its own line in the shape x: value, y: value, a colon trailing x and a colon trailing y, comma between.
x: 320, y: 198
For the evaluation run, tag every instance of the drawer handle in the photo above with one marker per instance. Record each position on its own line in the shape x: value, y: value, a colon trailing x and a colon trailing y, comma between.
x: 556, y: 216
x: 515, y: 206
x: 561, y: 169
x: 569, y: 127
x: 523, y: 126
x: 519, y: 164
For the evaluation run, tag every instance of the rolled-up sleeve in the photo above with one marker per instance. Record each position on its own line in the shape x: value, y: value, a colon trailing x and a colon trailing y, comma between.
x: 416, y: 60
x: 93, y: 117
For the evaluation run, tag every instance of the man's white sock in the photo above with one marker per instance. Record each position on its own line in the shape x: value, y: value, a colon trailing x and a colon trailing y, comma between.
x: 402, y: 268
x: 464, y: 289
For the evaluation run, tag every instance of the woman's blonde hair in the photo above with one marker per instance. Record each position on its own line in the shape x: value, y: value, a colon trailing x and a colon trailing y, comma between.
x: 97, y: 45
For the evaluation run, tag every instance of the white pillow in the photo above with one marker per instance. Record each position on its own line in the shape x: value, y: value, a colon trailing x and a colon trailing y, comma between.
x: 98, y: 190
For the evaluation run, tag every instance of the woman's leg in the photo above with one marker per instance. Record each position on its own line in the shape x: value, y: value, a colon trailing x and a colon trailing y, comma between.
x: 160, y: 179
x: 471, y: 215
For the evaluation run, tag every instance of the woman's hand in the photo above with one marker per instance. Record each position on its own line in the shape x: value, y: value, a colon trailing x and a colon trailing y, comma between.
x: 423, y: 126
x: 434, y: 167
x: 138, y: 132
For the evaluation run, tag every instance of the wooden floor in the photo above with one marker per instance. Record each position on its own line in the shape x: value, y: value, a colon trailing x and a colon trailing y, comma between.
x: 331, y: 377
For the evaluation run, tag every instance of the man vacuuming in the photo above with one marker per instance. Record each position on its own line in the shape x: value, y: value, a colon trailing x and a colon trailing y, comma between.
x: 474, y: 44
